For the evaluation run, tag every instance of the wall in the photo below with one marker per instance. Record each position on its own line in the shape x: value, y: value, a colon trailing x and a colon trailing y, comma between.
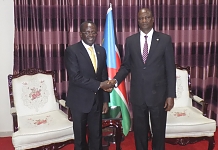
x: 6, y: 63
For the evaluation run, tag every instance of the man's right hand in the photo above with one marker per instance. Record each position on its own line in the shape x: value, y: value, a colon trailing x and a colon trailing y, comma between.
x: 107, y: 85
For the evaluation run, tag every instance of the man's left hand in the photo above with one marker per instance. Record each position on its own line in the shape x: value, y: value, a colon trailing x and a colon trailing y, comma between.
x: 169, y: 104
x: 105, y: 108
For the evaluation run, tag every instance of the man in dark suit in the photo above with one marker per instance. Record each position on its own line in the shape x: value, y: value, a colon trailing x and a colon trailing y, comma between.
x: 86, y: 67
x: 151, y: 62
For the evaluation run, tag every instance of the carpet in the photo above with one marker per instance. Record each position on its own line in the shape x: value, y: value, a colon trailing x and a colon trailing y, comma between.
x: 127, y: 144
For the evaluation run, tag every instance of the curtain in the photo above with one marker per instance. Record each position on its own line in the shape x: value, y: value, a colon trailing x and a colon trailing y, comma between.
x: 44, y: 28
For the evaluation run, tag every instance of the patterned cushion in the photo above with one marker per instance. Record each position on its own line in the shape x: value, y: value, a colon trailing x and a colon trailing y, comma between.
x: 42, y: 129
x: 182, y: 90
x: 188, y: 121
x: 34, y: 94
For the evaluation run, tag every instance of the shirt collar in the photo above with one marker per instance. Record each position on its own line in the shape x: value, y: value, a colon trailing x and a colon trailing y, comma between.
x: 86, y: 45
x: 150, y: 33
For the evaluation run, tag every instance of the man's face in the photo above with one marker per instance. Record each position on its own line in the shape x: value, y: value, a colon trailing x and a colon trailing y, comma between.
x: 88, y: 33
x: 145, y: 20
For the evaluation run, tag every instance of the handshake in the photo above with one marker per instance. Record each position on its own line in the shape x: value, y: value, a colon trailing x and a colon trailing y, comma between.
x: 108, y: 85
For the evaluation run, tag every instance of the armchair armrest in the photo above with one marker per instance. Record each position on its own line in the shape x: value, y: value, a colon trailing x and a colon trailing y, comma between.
x: 64, y: 108
x: 13, y: 110
x: 202, y: 103
x: 14, y: 116
x: 198, y: 99
x: 62, y: 103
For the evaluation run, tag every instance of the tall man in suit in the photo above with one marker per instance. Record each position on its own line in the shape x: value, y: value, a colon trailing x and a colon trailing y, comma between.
x: 86, y: 67
x: 151, y: 62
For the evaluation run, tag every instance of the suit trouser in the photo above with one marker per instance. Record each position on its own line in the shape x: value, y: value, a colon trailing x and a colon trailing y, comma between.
x: 141, y: 126
x: 92, y: 120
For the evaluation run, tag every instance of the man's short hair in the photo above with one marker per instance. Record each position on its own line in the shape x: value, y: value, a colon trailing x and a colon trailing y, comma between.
x: 86, y: 22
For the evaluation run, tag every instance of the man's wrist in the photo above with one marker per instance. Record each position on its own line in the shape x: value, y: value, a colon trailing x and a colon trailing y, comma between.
x: 116, y: 84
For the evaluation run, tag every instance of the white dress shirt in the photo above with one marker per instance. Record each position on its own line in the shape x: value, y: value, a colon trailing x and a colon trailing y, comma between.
x: 142, y: 39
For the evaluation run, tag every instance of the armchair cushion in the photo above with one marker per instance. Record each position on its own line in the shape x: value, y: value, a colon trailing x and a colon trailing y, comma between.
x: 188, y: 122
x: 182, y: 89
x: 43, y: 129
x: 34, y: 94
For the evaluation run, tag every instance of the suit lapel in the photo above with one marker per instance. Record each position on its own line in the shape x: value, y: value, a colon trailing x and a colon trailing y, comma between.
x: 154, y: 43
x: 138, y: 47
x: 84, y: 52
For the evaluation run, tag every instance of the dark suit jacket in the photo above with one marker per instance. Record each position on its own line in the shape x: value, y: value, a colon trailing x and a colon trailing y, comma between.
x: 154, y: 81
x: 83, y: 81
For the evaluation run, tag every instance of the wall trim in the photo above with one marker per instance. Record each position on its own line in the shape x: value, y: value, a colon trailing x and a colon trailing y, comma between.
x: 6, y: 134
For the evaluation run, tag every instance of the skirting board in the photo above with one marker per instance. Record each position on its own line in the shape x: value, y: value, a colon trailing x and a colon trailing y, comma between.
x: 6, y: 134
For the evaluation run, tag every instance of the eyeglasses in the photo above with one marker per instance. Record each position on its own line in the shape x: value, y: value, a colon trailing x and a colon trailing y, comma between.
x: 90, y: 33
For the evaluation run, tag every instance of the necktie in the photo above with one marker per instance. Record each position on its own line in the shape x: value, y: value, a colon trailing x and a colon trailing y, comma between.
x: 145, y: 50
x: 93, y: 59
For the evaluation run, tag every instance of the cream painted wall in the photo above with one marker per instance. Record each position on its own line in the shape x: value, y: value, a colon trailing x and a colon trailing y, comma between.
x: 6, y: 63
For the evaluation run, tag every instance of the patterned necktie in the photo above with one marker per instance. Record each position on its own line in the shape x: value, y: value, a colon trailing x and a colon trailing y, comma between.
x: 145, y: 50
x: 93, y: 59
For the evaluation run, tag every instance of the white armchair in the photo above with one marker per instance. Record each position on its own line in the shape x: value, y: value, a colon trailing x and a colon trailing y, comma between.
x: 38, y: 119
x: 185, y: 123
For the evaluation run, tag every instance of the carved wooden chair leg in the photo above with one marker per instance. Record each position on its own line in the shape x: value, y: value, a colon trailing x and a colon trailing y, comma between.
x: 211, y: 143
x: 118, y: 136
